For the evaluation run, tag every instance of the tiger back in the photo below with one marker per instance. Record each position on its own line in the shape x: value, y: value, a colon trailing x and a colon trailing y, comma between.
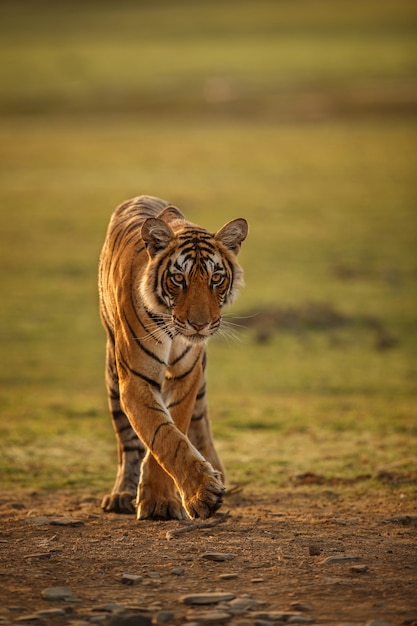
x: 163, y: 282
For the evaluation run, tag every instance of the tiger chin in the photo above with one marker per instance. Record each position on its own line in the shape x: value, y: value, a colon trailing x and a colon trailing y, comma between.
x: 163, y: 283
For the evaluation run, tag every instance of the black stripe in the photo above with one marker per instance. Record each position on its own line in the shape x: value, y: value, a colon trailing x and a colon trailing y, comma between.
x: 171, y: 405
x: 180, y: 444
x: 184, y: 374
x: 124, y: 428
x: 157, y: 431
x: 148, y: 380
x: 142, y: 347
x: 131, y: 448
x: 159, y: 409
x: 117, y: 415
x: 149, y: 314
x: 201, y: 393
x: 114, y: 394
x: 143, y: 377
x: 181, y: 356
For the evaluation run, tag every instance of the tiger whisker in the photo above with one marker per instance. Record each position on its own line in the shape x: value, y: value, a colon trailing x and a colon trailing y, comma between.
x: 229, y: 333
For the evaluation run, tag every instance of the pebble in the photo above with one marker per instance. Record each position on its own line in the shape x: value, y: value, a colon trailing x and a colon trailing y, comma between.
x: 163, y: 617
x: 359, y: 569
x: 340, y: 558
x: 226, y: 576
x: 207, y: 598
x: 210, y: 617
x: 59, y: 593
x: 314, y: 550
x: 17, y: 505
x: 66, y: 521
x: 217, y: 556
x: 177, y: 571
x: 39, y: 520
x: 131, y: 579
x: 51, y: 613
x: 130, y: 619
x: 405, y: 520
x: 282, y: 616
x: 244, y: 603
x: 300, y: 606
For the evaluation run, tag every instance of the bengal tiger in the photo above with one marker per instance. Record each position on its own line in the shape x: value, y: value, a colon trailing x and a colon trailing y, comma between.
x: 162, y: 284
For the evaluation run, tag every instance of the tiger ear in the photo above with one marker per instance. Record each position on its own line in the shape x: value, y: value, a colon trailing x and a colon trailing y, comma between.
x: 232, y: 234
x: 171, y: 213
x: 156, y: 234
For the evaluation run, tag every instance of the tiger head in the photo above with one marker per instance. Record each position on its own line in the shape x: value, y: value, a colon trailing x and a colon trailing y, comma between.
x: 191, y: 274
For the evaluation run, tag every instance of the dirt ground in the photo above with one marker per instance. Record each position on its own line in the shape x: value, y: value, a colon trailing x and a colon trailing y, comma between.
x: 305, y: 555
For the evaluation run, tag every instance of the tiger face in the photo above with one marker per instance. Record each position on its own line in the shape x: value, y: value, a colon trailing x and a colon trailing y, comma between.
x: 191, y: 273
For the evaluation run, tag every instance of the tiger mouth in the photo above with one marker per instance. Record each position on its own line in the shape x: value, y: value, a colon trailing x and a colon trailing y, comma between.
x: 196, y: 335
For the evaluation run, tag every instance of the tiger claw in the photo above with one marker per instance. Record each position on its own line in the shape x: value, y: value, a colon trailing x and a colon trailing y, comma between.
x: 207, y: 500
x: 161, y: 509
x: 122, y: 502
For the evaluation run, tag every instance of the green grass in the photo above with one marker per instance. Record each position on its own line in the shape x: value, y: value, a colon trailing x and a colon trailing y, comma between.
x: 301, y: 121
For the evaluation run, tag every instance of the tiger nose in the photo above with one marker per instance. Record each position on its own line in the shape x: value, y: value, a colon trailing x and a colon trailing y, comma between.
x: 198, y: 325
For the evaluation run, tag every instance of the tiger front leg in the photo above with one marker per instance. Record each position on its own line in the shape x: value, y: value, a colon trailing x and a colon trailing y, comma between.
x: 196, y: 491
x: 203, y: 490
x: 157, y: 496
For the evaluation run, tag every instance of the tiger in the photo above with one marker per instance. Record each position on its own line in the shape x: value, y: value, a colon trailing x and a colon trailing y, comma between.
x: 163, y: 282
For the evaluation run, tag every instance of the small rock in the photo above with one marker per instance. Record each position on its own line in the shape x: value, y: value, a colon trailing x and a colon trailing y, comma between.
x: 163, y: 617
x: 405, y: 520
x: 177, y: 571
x: 359, y: 569
x: 244, y: 603
x: 131, y: 579
x: 51, y: 613
x: 210, y: 617
x: 28, y: 618
x: 340, y: 558
x: 273, y: 616
x: 38, y: 555
x: 300, y: 606
x: 230, y: 576
x: 131, y: 619
x: 217, y: 556
x: 299, y: 619
x: 66, y: 521
x: 257, y: 580
x: 376, y: 622
x: 207, y: 598
x: 314, y: 550
x: 59, y: 593
x: 110, y: 607
x: 39, y: 520
x: 154, y: 575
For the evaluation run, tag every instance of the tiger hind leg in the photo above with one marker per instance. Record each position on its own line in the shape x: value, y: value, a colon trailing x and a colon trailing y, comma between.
x: 131, y: 450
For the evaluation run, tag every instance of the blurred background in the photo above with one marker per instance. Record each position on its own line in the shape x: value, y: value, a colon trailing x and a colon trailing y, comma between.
x: 298, y: 115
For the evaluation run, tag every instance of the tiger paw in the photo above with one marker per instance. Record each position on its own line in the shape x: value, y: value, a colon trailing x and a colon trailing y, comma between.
x: 208, y: 498
x: 121, y: 502
x: 161, y: 508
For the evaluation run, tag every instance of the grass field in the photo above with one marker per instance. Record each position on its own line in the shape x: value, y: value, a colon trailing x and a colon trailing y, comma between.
x: 301, y: 118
